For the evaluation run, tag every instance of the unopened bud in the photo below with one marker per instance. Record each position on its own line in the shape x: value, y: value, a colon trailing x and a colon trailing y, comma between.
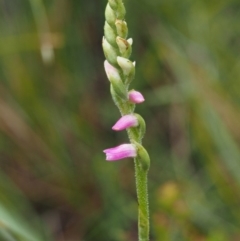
x: 124, y: 47
x: 109, y: 52
x: 120, y: 11
x: 115, y: 79
x: 110, y: 15
x: 122, y: 29
x: 109, y: 34
x: 112, y: 72
x: 113, y: 4
x: 135, y: 97
x: 128, y: 68
x: 126, y: 65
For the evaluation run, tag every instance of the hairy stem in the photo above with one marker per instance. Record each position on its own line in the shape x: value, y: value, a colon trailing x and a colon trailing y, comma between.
x: 143, y: 210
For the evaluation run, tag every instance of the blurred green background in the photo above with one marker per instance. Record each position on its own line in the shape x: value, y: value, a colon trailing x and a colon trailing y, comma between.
x: 56, y: 115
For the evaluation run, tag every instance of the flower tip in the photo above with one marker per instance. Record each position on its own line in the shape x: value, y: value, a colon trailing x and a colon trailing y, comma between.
x: 116, y: 128
x: 108, y: 67
x: 130, y: 41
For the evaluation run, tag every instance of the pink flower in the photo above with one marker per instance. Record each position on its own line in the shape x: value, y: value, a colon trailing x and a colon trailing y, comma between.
x: 135, y: 97
x: 125, y: 122
x: 120, y: 152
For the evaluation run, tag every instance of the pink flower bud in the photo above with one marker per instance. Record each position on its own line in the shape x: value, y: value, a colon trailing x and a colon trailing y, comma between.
x: 135, y: 97
x: 125, y: 122
x: 120, y: 152
x: 112, y: 72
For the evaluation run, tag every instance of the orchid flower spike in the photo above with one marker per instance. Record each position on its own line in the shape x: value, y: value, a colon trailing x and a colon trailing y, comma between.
x: 125, y: 122
x: 120, y: 71
x: 135, y: 97
x: 120, y: 152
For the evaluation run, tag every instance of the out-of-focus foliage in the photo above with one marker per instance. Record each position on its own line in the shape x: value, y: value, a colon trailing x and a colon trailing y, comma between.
x: 56, y: 115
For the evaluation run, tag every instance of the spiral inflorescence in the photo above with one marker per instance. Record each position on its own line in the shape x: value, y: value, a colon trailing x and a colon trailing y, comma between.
x: 120, y: 72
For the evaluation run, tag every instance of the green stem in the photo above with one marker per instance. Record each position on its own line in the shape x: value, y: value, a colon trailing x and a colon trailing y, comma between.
x: 142, y: 195
x: 142, y: 190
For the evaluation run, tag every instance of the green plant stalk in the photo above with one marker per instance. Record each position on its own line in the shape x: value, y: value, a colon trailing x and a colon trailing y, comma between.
x: 142, y: 194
